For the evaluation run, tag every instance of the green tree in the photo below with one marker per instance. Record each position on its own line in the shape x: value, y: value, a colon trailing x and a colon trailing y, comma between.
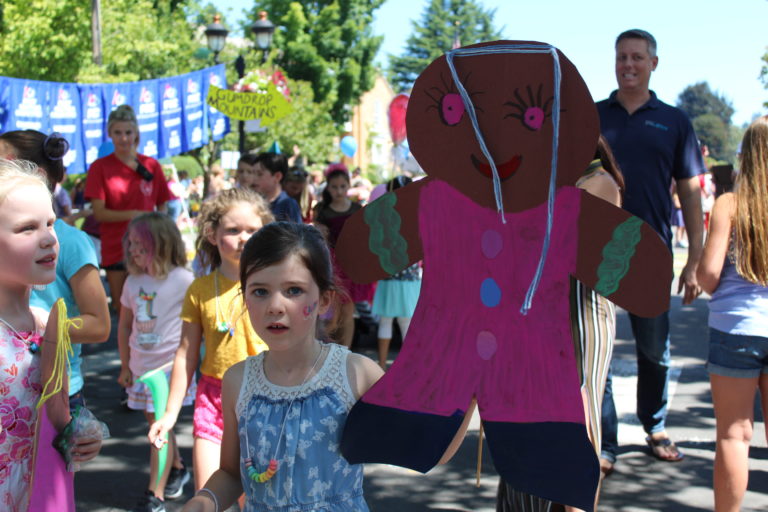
x: 44, y: 39
x: 51, y: 39
x: 328, y: 43
x: 699, y: 99
x: 441, y: 22
x: 713, y: 132
x: 764, y: 74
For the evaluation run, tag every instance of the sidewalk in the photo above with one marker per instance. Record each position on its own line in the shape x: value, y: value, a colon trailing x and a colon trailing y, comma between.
x: 115, y: 480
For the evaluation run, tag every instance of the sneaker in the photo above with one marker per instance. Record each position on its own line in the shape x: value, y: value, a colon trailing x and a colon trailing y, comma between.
x: 177, y: 479
x: 149, y: 503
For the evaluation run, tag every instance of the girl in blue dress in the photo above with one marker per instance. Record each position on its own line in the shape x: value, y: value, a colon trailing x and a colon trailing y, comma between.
x: 285, y: 409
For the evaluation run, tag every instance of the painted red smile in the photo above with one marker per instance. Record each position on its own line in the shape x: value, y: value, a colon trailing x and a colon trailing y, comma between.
x: 505, y: 170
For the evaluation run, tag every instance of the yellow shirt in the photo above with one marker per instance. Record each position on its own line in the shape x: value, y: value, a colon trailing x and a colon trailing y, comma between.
x: 222, y: 349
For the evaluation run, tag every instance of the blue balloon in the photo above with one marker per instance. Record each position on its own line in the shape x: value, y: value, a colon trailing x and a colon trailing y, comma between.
x: 348, y: 146
x: 106, y: 148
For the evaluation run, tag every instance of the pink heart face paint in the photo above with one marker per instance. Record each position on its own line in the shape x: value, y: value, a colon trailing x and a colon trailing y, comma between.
x: 308, y: 310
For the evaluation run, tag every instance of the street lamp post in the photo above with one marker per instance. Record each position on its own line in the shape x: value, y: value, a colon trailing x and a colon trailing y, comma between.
x: 263, y: 30
x: 240, y: 68
x: 216, y: 35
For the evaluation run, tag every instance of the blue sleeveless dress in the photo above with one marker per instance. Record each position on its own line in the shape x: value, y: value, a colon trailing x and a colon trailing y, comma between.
x: 312, y: 475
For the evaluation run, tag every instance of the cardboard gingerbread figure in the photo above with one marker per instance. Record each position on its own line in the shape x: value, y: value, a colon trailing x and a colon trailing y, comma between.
x: 503, y: 131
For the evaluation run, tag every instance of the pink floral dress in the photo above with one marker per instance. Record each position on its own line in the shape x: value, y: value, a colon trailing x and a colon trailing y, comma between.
x: 19, y: 392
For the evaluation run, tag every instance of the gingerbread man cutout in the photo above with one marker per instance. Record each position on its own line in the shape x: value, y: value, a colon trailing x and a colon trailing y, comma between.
x: 503, y: 131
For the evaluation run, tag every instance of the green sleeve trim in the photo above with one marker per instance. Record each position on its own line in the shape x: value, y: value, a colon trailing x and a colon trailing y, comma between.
x: 385, y: 240
x: 616, y: 255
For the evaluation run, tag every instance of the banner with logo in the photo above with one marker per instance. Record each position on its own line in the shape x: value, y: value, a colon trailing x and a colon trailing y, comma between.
x: 217, y: 121
x: 65, y: 116
x: 144, y: 95
x: 92, y: 121
x: 28, y: 105
x: 172, y: 115
x: 195, y: 119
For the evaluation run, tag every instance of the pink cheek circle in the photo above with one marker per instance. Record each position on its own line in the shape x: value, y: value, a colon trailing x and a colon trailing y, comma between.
x: 534, y: 117
x: 453, y: 108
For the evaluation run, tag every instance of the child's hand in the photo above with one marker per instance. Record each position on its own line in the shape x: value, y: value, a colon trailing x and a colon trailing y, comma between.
x: 158, y: 431
x: 85, y: 449
x: 125, y: 378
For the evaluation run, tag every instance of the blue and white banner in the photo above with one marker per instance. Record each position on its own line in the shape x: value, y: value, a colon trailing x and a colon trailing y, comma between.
x: 66, y: 113
x: 195, y: 111
x: 92, y: 121
x: 218, y: 122
x: 172, y: 115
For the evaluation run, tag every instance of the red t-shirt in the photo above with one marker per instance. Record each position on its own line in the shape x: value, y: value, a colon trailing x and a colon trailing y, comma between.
x: 122, y: 188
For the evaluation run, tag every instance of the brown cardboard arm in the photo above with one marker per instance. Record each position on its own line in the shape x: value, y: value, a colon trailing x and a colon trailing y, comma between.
x: 623, y: 258
x: 382, y: 238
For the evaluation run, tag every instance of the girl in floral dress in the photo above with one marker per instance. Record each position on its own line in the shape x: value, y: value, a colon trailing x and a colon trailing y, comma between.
x: 29, y: 250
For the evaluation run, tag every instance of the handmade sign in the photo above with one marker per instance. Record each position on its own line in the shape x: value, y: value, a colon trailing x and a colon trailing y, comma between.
x: 268, y: 105
x: 503, y: 130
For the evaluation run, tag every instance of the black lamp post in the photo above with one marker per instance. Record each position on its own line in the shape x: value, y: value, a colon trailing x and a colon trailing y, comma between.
x: 216, y: 34
x: 263, y: 30
x: 240, y: 68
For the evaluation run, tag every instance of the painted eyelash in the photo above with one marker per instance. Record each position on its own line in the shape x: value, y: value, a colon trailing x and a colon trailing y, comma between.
x: 523, y: 106
x: 450, y: 88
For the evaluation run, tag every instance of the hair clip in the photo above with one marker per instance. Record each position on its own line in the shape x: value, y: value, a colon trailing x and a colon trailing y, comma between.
x: 55, y: 136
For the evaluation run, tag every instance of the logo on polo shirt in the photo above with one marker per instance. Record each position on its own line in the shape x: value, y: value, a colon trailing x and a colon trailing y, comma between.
x: 654, y: 124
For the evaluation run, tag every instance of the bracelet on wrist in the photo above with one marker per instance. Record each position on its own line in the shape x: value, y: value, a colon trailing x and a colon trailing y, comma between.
x: 210, y: 495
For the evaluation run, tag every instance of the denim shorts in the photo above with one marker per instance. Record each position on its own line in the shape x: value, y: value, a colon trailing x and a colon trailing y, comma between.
x: 736, y: 355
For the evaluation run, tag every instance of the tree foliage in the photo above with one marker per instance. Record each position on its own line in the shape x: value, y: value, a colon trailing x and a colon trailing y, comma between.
x: 328, y: 43
x: 711, y: 115
x: 140, y: 39
x: 764, y: 74
x: 699, y: 99
x: 435, y: 34
x: 713, y: 132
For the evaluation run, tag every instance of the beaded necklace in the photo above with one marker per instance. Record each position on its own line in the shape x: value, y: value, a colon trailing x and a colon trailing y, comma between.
x: 222, y: 325
x: 272, y: 468
x: 32, y: 340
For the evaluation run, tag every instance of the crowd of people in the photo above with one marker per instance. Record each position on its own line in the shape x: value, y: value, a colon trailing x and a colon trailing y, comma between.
x: 266, y: 313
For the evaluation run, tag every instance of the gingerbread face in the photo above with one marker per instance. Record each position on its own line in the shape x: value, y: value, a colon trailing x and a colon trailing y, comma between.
x: 514, y: 97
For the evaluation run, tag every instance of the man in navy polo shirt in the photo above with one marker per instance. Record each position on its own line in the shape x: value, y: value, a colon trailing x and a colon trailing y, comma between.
x: 654, y: 143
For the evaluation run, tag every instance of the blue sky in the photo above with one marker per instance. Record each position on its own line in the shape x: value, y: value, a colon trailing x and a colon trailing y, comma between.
x: 699, y: 40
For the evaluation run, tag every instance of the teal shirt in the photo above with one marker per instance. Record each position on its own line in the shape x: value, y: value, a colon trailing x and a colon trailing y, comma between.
x: 75, y: 251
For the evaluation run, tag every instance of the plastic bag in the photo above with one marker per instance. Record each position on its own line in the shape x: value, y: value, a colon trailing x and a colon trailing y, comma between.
x: 83, y: 425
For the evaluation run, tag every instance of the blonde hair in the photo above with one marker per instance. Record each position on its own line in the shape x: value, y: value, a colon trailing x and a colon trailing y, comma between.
x: 16, y: 173
x: 214, y: 209
x: 751, y: 213
x: 123, y: 114
x: 161, y: 239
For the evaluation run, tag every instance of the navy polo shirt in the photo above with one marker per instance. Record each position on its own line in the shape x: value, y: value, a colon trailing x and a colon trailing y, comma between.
x: 653, y: 146
x: 285, y: 207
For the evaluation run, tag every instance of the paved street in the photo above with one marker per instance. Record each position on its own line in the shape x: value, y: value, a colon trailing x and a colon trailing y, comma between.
x: 118, y: 476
